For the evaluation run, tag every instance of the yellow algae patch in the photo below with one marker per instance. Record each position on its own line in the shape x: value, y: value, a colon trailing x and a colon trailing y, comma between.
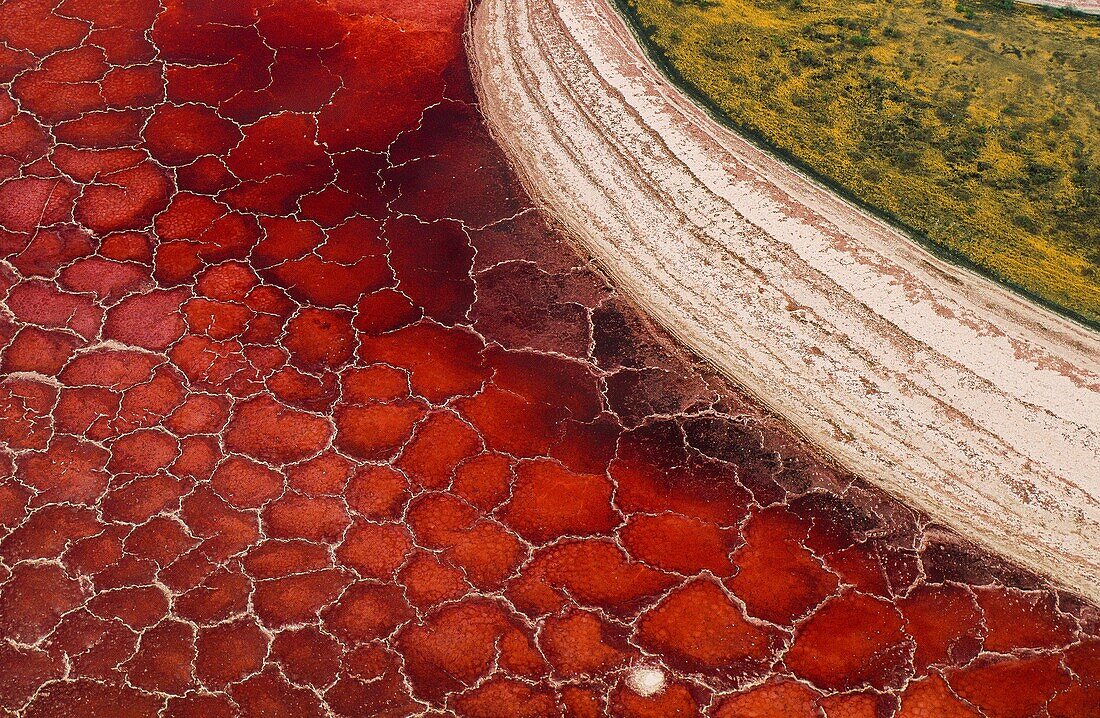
x: 976, y: 125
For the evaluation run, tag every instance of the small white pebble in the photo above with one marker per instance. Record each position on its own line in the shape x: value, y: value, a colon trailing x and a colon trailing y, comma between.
x: 646, y: 680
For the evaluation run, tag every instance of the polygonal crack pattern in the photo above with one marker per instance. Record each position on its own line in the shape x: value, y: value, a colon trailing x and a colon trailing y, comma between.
x: 308, y: 412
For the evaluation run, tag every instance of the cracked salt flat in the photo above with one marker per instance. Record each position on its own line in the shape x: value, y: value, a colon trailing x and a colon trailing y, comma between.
x: 356, y: 433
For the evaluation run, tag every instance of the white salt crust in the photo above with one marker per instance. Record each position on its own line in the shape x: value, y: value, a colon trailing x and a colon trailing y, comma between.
x: 646, y: 680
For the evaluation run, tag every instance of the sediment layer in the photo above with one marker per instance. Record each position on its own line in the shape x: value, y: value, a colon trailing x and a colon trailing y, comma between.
x: 934, y: 383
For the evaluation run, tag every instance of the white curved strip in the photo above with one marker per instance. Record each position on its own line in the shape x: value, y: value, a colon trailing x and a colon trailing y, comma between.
x: 944, y: 388
x: 1089, y: 7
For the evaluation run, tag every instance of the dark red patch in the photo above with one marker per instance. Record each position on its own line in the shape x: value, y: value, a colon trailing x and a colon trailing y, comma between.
x: 549, y: 501
x: 945, y: 623
x: 678, y: 543
x: 852, y: 641
x: 228, y: 652
x: 265, y: 430
x: 778, y: 578
x: 701, y: 630
x: 1010, y: 687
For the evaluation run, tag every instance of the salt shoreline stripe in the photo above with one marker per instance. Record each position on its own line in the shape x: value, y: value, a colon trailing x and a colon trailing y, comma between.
x: 1089, y: 7
x: 940, y: 386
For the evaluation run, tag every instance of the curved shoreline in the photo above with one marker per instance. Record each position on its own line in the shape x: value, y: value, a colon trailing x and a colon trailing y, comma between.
x: 953, y: 256
x: 942, y: 387
x: 1086, y: 7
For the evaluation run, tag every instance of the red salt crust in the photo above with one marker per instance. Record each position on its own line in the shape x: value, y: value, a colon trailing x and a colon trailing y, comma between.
x: 39, y: 596
x: 484, y: 481
x: 220, y: 595
x: 367, y: 612
x: 485, y: 550
x: 90, y: 555
x: 325, y: 474
x: 582, y: 644
x: 306, y: 412
x: 138, y: 608
x: 502, y: 697
x: 265, y: 430
x: 778, y: 576
x: 273, y: 559
x: 180, y: 134
x: 441, y: 441
x: 46, y: 533
x: 377, y: 430
x: 678, y: 543
x: 163, y: 661
x: 432, y: 265
x: 1011, y: 687
x: 161, y: 540
x: 269, y: 694
x: 781, y: 699
x: 297, y: 599
x: 69, y: 470
x: 933, y: 697
x: 245, y: 483
x: 456, y: 644
x: 1016, y: 620
x: 549, y: 502
x: 321, y: 519
x: 726, y: 646
x: 852, y: 641
x: 229, y: 652
x: 198, y: 705
x: 428, y: 581
x: 143, y: 497
x: 307, y: 656
x: 945, y: 623
x: 374, y: 550
x: 377, y: 492
x: 45, y: 248
x: 677, y: 699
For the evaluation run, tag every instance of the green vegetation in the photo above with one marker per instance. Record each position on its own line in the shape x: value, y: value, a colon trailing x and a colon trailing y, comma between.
x: 973, y: 123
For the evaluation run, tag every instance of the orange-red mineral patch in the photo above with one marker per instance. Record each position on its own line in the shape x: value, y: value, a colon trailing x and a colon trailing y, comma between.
x: 306, y: 411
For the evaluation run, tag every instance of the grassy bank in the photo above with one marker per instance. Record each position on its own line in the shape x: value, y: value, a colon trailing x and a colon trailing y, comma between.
x: 975, y: 125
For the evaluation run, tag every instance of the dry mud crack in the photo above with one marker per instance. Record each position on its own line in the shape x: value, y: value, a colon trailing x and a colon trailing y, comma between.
x: 944, y: 388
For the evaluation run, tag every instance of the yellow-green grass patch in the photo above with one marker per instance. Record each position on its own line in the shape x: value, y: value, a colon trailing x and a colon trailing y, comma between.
x: 976, y: 126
